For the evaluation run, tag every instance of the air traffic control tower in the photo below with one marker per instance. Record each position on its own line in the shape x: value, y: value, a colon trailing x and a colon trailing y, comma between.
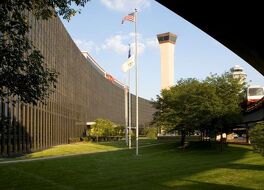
x: 167, y: 42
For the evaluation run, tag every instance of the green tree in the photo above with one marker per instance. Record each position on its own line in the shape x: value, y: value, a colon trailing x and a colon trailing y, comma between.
x: 230, y: 93
x: 151, y: 132
x: 22, y: 71
x: 209, y: 105
x: 119, y: 130
x: 102, y: 128
x: 257, y: 138
x: 188, y: 105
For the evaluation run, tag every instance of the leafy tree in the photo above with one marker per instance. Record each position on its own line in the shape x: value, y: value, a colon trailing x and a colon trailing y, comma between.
x: 119, y: 130
x: 97, y: 130
x: 230, y: 93
x: 257, y: 138
x: 202, y: 105
x: 151, y: 132
x: 102, y: 128
x: 22, y: 71
x: 186, y: 106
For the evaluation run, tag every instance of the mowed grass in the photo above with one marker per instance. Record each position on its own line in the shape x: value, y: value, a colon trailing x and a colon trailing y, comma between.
x: 85, y: 147
x: 157, y: 167
x: 77, y: 148
x: 81, y: 148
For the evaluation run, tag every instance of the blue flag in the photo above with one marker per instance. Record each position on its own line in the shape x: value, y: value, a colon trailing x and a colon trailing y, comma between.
x: 129, y: 51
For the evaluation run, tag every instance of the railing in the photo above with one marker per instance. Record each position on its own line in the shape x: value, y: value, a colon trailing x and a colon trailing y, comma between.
x: 104, y: 73
x: 255, y: 106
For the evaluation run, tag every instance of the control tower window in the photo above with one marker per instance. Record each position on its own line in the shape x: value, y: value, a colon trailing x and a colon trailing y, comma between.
x: 160, y: 39
x: 172, y: 38
x: 165, y: 38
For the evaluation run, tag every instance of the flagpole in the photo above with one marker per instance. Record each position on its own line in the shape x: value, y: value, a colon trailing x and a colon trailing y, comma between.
x: 129, y: 112
x: 136, y: 63
x: 126, y: 113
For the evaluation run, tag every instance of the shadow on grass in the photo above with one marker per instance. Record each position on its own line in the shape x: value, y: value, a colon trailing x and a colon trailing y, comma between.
x: 121, y: 169
x: 80, y: 148
x: 194, y: 185
x: 245, y: 167
x: 142, y: 142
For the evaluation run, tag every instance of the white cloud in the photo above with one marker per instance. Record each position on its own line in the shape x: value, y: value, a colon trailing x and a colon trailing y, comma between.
x: 140, y: 48
x: 126, y: 5
x: 119, y: 44
x: 152, y: 43
x: 84, y: 45
x: 116, y: 43
x: 97, y: 49
x: 132, y: 35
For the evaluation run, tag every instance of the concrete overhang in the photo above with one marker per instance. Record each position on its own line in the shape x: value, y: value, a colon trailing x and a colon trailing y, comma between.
x: 90, y: 123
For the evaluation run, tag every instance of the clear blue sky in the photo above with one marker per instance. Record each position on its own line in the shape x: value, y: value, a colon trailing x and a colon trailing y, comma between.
x: 99, y: 31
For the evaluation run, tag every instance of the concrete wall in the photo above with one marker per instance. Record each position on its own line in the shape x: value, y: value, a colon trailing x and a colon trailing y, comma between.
x: 167, y: 64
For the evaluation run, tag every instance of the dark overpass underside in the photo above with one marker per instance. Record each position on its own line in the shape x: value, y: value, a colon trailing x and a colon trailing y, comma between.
x: 238, y: 25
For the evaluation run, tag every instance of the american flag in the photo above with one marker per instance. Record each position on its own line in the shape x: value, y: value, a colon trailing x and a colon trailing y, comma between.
x: 129, y: 17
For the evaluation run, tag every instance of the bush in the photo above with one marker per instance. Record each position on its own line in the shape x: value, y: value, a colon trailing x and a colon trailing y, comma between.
x: 74, y: 139
x: 119, y: 130
x: 257, y: 138
x: 133, y: 134
x: 151, y: 132
x: 85, y: 139
x: 104, y: 128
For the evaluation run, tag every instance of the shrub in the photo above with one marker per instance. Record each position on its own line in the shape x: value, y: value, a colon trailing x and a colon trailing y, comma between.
x: 85, y: 139
x: 119, y: 130
x: 151, y: 132
x: 102, y: 128
x: 133, y: 134
x: 74, y: 139
x: 257, y: 138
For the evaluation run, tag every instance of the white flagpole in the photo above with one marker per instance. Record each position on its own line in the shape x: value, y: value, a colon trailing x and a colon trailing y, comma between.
x: 126, y: 114
x: 129, y: 112
x: 136, y: 81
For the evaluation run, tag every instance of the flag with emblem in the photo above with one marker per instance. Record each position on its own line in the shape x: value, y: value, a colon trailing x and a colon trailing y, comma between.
x: 130, y: 62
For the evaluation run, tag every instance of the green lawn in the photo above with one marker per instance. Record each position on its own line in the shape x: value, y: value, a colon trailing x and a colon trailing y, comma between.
x: 158, y: 167
x: 82, y: 148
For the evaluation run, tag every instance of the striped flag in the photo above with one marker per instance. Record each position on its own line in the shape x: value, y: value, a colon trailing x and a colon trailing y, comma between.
x: 129, y: 17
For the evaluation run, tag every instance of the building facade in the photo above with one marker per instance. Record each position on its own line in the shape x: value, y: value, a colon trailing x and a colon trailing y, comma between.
x: 83, y: 94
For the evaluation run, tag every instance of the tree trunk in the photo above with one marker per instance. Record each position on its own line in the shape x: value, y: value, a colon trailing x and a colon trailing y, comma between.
x: 96, y: 138
x: 221, y: 141
x: 247, y: 135
x: 183, y: 134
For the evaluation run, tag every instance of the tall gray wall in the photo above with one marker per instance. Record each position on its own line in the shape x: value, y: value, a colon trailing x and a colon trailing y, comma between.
x: 83, y: 94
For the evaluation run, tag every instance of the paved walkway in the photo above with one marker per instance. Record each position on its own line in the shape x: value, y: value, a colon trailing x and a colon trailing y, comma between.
x: 67, y: 155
